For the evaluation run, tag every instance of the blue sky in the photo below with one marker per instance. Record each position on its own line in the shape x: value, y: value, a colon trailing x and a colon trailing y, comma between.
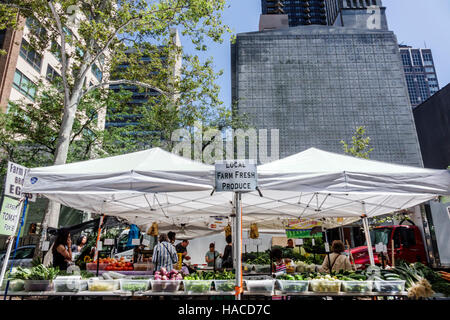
x: 415, y: 22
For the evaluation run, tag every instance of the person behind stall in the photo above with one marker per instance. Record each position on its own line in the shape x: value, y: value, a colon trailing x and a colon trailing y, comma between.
x: 62, y: 249
x: 81, y: 242
x: 227, y: 257
x: 182, y: 248
x: 279, y: 264
x: 164, y: 254
x: 211, y: 255
x: 336, y: 261
x: 290, y: 244
x: 172, y: 237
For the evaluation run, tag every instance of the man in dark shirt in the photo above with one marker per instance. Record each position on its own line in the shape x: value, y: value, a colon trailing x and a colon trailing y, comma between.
x: 182, y: 248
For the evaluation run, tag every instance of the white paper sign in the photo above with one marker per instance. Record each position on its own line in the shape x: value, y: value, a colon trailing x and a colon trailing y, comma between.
x: 236, y: 175
x: 136, y: 242
x: 9, y: 216
x: 313, y: 242
x: 298, y: 242
x: 99, y: 246
x: 45, y: 245
x: 327, y: 247
x: 379, y: 247
x: 384, y: 248
x: 109, y: 242
x: 15, y: 178
x: 145, y: 242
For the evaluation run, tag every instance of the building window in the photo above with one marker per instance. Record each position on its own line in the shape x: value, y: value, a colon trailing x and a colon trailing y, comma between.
x: 97, y: 72
x: 417, y: 59
x: 51, y: 73
x: 406, y: 60
x: 24, y: 85
x: 35, y: 27
x: 29, y: 54
x: 2, y: 37
x: 55, y: 49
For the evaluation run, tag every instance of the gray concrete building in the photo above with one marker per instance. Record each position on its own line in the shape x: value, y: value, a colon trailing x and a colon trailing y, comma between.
x: 316, y: 84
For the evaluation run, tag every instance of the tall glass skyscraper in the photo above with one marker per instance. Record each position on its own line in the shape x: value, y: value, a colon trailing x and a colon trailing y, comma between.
x: 420, y: 73
x: 342, y: 13
x: 317, y: 83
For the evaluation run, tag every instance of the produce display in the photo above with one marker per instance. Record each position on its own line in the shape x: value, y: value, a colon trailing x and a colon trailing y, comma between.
x: 134, y: 285
x: 111, y: 264
x: 302, y: 267
x: 102, y: 285
x: 224, y: 285
x: 326, y: 283
x: 292, y: 283
x: 38, y: 278
x: 357, y: 286
x: 166, y: 281
x: 197, y: 286
x: 70, y: 284
x: 262, y: 286
x: 14, y: 285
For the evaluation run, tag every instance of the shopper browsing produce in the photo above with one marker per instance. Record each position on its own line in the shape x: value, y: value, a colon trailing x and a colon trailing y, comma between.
x: 164, y: 254
x: 279, y: 264
x: 211, y: 255
x: 336, y: 261
x: 81, y: 242
x: 62, y: 250
x: 172, y: 237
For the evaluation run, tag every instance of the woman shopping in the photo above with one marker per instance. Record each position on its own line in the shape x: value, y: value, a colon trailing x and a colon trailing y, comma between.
x: 336, y: 261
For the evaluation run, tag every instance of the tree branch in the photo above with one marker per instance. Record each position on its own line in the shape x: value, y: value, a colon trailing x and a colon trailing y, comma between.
x: 117, y: 82
x: 64, y: 62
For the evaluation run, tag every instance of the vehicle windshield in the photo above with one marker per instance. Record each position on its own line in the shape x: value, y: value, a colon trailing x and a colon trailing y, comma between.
x: 380, y: 235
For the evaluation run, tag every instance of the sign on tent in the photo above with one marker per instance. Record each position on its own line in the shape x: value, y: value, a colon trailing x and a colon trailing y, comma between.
x: 15, y: 178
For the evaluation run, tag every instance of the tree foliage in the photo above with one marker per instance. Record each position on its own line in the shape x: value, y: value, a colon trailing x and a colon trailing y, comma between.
x: 360, y: 144
x: 128, y: 43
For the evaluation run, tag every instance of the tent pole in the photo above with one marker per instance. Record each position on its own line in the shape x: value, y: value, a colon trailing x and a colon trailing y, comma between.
x: 238, y: 245
x: 367, y: 234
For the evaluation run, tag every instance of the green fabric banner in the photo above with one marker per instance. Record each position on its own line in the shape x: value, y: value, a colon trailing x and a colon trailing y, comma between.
x: 300, y: 234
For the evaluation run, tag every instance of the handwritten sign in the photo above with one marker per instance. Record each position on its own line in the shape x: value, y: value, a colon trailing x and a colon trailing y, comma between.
x: 327, y: 247
x: 236, y: 175
x: 298, y: 242
x: 9, y: 216
x: 135, y: 242
x: 109, y: 242
x: 45, y: 245
x: 15, y: 178
x: 145, y: 242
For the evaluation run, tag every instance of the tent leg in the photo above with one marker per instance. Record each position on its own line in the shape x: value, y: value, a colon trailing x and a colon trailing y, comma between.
x: 367, y: 234
x: 238, y: 245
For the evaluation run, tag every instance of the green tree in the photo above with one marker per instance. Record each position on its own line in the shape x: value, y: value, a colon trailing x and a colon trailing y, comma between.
x: 99, y: 34
x: 360, y: 144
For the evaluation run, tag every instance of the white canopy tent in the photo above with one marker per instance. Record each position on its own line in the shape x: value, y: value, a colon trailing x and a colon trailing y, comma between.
x: 155, y: 185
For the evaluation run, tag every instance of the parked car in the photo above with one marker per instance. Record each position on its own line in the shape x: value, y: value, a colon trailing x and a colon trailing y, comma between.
x: 23, y: 258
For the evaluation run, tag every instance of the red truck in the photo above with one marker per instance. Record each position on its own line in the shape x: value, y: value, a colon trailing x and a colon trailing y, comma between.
x: 408, y: 245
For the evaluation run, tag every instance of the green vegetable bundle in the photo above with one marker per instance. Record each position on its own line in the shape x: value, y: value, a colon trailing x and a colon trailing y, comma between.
x: 39, y: 272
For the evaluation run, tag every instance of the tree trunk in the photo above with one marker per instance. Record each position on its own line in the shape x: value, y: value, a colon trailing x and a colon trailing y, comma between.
x: 51, y: 216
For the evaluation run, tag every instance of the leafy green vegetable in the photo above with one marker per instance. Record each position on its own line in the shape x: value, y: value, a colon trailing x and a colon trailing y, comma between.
x: 39, y: 272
